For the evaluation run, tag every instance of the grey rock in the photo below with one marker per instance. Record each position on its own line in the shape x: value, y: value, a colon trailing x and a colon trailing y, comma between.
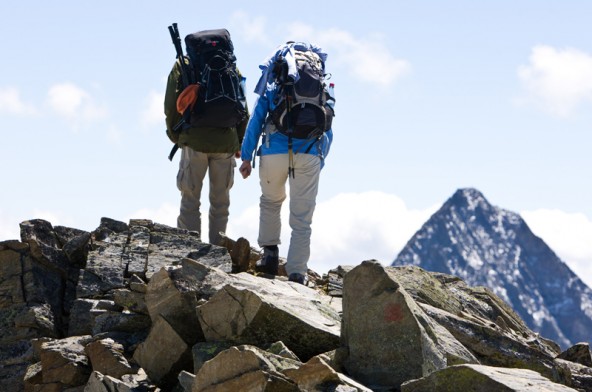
x: 246, y: 367
x: 174, y: 293
x: 106, y: 356
x: 579, y: 353
x: 64, y: 361
x: 258, y: 311
x: 388, y: 338
x: 173, y: 355
x: 471, y: 377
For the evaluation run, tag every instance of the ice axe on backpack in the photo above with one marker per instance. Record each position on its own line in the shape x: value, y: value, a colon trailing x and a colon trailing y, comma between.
x: 186, y: 102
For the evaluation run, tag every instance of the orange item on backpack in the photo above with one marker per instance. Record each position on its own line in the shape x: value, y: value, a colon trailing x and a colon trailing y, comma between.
x: 187, y: 98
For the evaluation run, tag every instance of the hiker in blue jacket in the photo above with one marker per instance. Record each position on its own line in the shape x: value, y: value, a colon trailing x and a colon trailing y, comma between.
x: 301, y: 165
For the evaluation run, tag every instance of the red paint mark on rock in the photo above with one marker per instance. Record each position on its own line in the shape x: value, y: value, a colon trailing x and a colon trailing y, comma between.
x: 393, y: 312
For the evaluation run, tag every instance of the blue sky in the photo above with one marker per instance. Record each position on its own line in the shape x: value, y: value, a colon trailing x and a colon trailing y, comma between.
x: 431, y: 97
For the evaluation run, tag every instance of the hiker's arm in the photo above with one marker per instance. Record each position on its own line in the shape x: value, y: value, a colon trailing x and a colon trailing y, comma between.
x: 254, y: 128
x: 245, y: 169
x: 172, y: 117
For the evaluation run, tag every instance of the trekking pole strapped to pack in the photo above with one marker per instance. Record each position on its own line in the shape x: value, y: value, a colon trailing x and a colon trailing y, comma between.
x: 185, y: 78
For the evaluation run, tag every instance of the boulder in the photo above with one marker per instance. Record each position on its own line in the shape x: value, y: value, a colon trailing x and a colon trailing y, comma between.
x: 470, y: 377
x: 163, y: 354
x: 578, y: 353
x: 243, y: 256
x: 258, y: 311
x: 575, y: 375
x: 173, y: 294
x: 64, y: 361
x: 494, y: 347
x: 317, y: 375
x: 245, y: 368
x: 204, y: 351
x: 106, y: 356
x: 388, y: 339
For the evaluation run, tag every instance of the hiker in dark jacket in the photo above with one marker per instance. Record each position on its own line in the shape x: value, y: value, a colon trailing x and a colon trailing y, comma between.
x: 204, y: 149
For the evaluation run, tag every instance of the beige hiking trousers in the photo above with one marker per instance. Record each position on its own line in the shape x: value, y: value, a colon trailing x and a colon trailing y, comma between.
x: 273, y: 173
x: 192, y: 171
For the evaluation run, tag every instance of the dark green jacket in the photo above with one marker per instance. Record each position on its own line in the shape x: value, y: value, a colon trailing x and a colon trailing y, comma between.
x: 202, y: 139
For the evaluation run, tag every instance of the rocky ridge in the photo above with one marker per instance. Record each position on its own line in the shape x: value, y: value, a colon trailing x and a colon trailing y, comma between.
x: 147, y: 307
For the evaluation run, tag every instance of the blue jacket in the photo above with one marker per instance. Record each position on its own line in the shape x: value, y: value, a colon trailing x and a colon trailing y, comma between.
x: 275, y: 142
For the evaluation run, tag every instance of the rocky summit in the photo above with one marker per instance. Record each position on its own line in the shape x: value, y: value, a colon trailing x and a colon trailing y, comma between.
x: 488, y: 246
x: 140, y: 306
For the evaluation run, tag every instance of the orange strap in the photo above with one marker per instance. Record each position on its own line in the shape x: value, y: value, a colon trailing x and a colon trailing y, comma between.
x: 187, y: 98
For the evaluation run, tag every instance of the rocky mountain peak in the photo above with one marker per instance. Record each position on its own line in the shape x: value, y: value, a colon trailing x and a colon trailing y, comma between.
x: 489, y: 246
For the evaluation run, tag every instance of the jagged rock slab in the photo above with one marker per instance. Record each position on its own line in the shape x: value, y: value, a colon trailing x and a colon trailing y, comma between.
x: 163, y: 354
x: 168, y: 246
x: 317, y: 375
x: 259, y: 311
x: 484, y: 379
x: 105, y: 269
x: 575, y: 375
x: 106, y: 356
x: 579, y: 353
x: 387, y: 337
x: 175, y: 292
x: 479, y: 320
x: 245, y: 368
x: 64, y: 361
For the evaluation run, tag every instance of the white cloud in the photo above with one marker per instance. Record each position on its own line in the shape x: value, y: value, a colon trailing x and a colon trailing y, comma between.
x: 114, y: 136
x: 74, y: 104
x: 251, y: 29
x: 347, y: 229
x: 568, y: 234
x: 10, y: 102
x: 368, y: 58
x: 9, y: 229
x: 558, y: 79
x: 154, y: 113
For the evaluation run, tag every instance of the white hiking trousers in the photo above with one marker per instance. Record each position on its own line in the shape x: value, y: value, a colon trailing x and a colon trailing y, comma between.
x: 192, y: 171
x: 273, y: 173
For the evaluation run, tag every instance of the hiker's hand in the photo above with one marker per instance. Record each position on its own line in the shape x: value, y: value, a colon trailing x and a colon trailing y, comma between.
x: 245, y: 169
x: 237, y: 155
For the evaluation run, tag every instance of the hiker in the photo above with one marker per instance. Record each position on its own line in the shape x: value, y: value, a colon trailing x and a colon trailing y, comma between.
x: 295, y: 128
x: 213, y: 118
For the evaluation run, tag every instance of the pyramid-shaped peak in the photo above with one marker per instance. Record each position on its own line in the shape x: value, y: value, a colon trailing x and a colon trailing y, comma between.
x: 469, y: 197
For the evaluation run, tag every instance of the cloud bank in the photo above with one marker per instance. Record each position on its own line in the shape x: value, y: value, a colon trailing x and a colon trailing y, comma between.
x: 352, y: 227
x: 568, y: 234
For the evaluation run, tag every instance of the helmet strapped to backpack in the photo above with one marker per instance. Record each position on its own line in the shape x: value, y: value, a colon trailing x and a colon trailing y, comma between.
x: 221, y: 101
x: 301, y: 105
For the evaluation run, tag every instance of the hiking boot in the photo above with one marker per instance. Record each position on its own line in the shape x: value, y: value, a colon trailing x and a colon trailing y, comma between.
x: 296, y: 277
x: 270, y: 260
